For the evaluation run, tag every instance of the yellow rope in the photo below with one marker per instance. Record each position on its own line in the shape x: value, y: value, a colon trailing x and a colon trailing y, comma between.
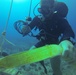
x: 38, y: 54
x: 30, y: 56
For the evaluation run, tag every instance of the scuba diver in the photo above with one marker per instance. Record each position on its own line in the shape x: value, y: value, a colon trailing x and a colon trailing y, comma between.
x: 52, y: 24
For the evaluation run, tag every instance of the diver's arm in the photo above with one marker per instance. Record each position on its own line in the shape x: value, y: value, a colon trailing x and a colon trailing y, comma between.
x: 67, y: 31
x: 35, y: 22
x: 67, y: 42
x: 27, y: 28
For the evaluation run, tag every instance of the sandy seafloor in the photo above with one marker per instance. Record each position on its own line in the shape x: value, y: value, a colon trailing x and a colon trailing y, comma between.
x: 37, y: 69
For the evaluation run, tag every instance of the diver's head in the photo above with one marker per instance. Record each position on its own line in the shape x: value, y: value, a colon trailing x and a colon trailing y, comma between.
x: 51, y: 7
x: 46, y: 7
x: 60, y: 10
x: 47, y: 3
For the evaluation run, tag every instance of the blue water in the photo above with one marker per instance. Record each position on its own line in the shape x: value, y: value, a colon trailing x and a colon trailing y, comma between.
x: 20, y: 10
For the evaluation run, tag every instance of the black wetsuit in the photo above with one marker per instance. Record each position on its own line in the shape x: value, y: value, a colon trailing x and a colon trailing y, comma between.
x: 52, y: 29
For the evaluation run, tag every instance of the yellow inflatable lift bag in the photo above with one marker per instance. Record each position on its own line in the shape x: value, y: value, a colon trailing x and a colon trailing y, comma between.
x: 30, y: 56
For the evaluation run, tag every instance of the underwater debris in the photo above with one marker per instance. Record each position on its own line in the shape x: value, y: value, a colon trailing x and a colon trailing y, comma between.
x: 2, y: 73
x: 33, y: 65
x: 12, y: 71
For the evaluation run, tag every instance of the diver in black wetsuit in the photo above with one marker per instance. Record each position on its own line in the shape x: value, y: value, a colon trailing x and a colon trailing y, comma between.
x: 52, y: 25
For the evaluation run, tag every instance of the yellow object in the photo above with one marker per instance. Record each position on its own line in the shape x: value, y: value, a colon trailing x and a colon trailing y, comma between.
x: 31, y: 56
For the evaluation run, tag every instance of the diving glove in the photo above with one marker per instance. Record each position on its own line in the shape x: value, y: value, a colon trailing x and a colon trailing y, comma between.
x: 68, y: 48
x: 25, y: 30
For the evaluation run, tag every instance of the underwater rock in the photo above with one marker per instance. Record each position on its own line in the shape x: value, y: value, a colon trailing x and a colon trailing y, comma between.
x: 3, y: 54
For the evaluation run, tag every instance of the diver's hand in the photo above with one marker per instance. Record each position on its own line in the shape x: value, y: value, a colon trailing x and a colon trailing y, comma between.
x: 67, y: 48
x: 25, y: 30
